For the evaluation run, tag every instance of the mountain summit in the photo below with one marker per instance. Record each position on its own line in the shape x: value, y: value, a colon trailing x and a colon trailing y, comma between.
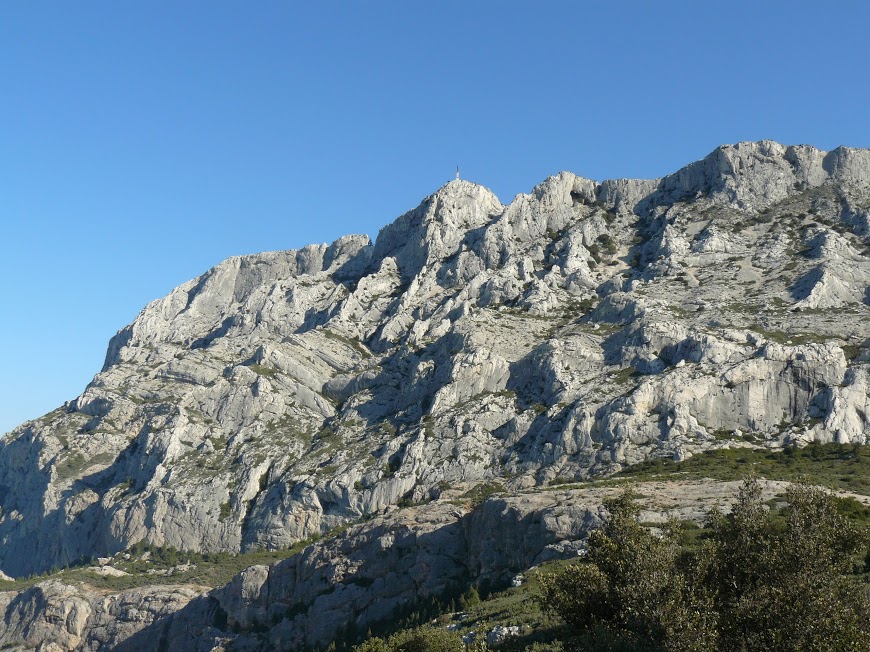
x: 580, y: 329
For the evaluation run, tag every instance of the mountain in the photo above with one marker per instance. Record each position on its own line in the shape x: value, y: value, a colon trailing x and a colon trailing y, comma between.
x: 577, y: 331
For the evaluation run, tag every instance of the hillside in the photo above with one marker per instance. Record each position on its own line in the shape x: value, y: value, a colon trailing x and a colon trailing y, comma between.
x: 575, y: 332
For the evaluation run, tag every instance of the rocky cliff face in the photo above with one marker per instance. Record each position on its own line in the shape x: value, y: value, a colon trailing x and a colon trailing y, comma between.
x: 53, y: 616
x: 579, y: 329
x: 367, y: 576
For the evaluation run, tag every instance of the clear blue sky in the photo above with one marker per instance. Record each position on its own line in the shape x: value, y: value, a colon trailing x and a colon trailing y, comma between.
x: 143, y: 142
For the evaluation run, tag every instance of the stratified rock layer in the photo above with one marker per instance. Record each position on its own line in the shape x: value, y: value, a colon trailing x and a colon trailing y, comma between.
x: 579, y: 329
x: 53, y: 616
x: 362, y: 578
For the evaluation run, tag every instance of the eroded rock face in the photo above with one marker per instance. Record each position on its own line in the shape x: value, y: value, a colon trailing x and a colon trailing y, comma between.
x: 579, y: 329
x: 362, y: 578
x: 53, y: 616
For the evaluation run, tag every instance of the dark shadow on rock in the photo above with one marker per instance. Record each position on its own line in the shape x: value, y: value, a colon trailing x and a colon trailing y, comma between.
x: 803, y: 286
x: 381, y: 587
x: 89, y: 532
x: 390, y: 396
x: 220, y: 331
x: 195, y: 628
x: 532, y: 445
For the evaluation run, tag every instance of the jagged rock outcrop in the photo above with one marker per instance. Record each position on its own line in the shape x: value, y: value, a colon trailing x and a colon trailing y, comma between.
x: 54, y: 616
x: 579, y: 329
x: 364, y: 577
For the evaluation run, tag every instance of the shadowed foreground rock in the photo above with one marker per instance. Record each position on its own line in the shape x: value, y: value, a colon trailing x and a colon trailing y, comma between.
x: 363, y: 577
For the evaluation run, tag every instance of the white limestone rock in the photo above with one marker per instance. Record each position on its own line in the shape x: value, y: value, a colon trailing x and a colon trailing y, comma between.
x: 59, y: 617
x: 580, y: 328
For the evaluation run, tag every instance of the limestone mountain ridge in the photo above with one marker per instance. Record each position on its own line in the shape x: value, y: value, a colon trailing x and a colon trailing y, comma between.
x: 577, y: 330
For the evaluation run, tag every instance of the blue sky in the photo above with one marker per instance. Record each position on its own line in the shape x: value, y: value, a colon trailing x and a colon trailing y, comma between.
x: 143, y: 142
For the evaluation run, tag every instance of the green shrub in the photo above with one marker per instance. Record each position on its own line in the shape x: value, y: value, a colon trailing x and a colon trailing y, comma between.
x: 225, y: 511
x: 763, y: 579
x: 260, y: 370
x: 418, y: 640
x: 480, y: 492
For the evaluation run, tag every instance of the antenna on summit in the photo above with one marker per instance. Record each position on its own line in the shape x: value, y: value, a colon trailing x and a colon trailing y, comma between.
x: 457, y: 173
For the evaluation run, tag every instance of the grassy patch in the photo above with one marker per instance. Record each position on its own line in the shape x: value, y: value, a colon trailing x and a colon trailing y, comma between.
x: 538, y: 408
x: 843, y: 467
x: 791, y: 339
x: 71, y: 466
x: 211, y: 569
x: 746, y: 308
x: 225, y: 511
x: 625, y: 375
x: 479, y: 493
x: 328, y: 439
x: 260, y: 370
x: 354, y: 344
x: 518, y: 606
x: 286, y: 427
x: 851, y: 351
